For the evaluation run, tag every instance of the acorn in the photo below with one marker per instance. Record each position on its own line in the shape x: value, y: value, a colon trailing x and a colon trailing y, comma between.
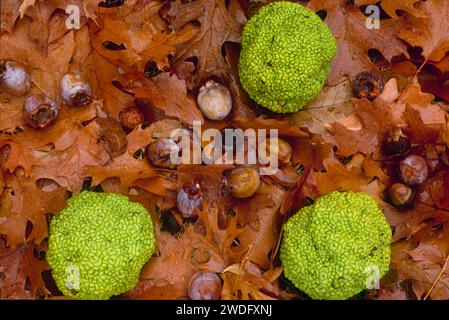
x: 414, y: 170
x: 243, y: 182
x: 159, y: 152
x: 189, y: 200
x: 75, y: 91
x: 205, y: 286
x: 14, y: 79
x: 401, y: 196
x: 214, y: 100
x: 368, y: 85
x: 39, y: 111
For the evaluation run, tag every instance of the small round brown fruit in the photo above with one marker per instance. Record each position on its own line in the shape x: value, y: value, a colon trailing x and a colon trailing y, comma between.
x: 414, y: 170
x: 244, y: 182
x: 40, y: 111
x: 396, y: 143
x: 131, y: 117
x: 214, y: 100
x: 400, y: 195
x: 189, y: 200
x: 205, y: 286
x: 14, y: 79
x: 284, y: 150
x: 368, y: 85
x: 158, y: 153
x: 75, y: 91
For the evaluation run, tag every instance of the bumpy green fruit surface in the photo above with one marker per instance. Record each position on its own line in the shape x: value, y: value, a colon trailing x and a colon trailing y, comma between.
x: 336, y: 247
x: 285, y: 57
x: 98, y: 245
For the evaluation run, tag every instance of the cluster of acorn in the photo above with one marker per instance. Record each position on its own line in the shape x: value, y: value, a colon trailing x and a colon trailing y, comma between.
x: 411, y: 170
x: 215, y: 102
x: 39, y: 111
x: 241, y: 182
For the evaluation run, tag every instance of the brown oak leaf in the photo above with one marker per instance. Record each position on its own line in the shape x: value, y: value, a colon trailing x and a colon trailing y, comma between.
x: 176, y: 104
x: 354, y: 39
x: 217, y: 27
x: 125, y: 167
x: 364, y: 130
x: 431, y: 33
x: 21, y: 274
x: 392, y: 7
x: 23, y: 206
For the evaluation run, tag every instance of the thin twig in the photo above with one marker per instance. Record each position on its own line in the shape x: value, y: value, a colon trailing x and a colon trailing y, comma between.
x: 438, y: 278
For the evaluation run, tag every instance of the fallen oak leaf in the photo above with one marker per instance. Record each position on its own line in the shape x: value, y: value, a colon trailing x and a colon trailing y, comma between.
x: 409, y: 6
x: 433, y: 247
x: 140, y: 138
x: 11, y: 117
x: 177, y: 104
x: 217, y: 27
x: 339, y: 176
x: 9, y: 13
x: 354, y: 39
x: 25, y: 203
x: 422, y: 274
x: 89, y: 6
x: 73, y: 141
x: 396, y: 293
x: 371, y: 121
x: 260, y: 232
x: 154, y: 290
x: 22, y: 274
x: 445, y: 198
x: 430, y: 33
x: 125, y: 167
x: 44, y: 14
x: 2, y: 183
x: 110, y: 84
x: 443, y: 65
x: 143, y: 35
x: 16, y: 155
x: 425, y: 123
x: 158, y: 185
x: 117, y: 31
x: 240, y: 283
